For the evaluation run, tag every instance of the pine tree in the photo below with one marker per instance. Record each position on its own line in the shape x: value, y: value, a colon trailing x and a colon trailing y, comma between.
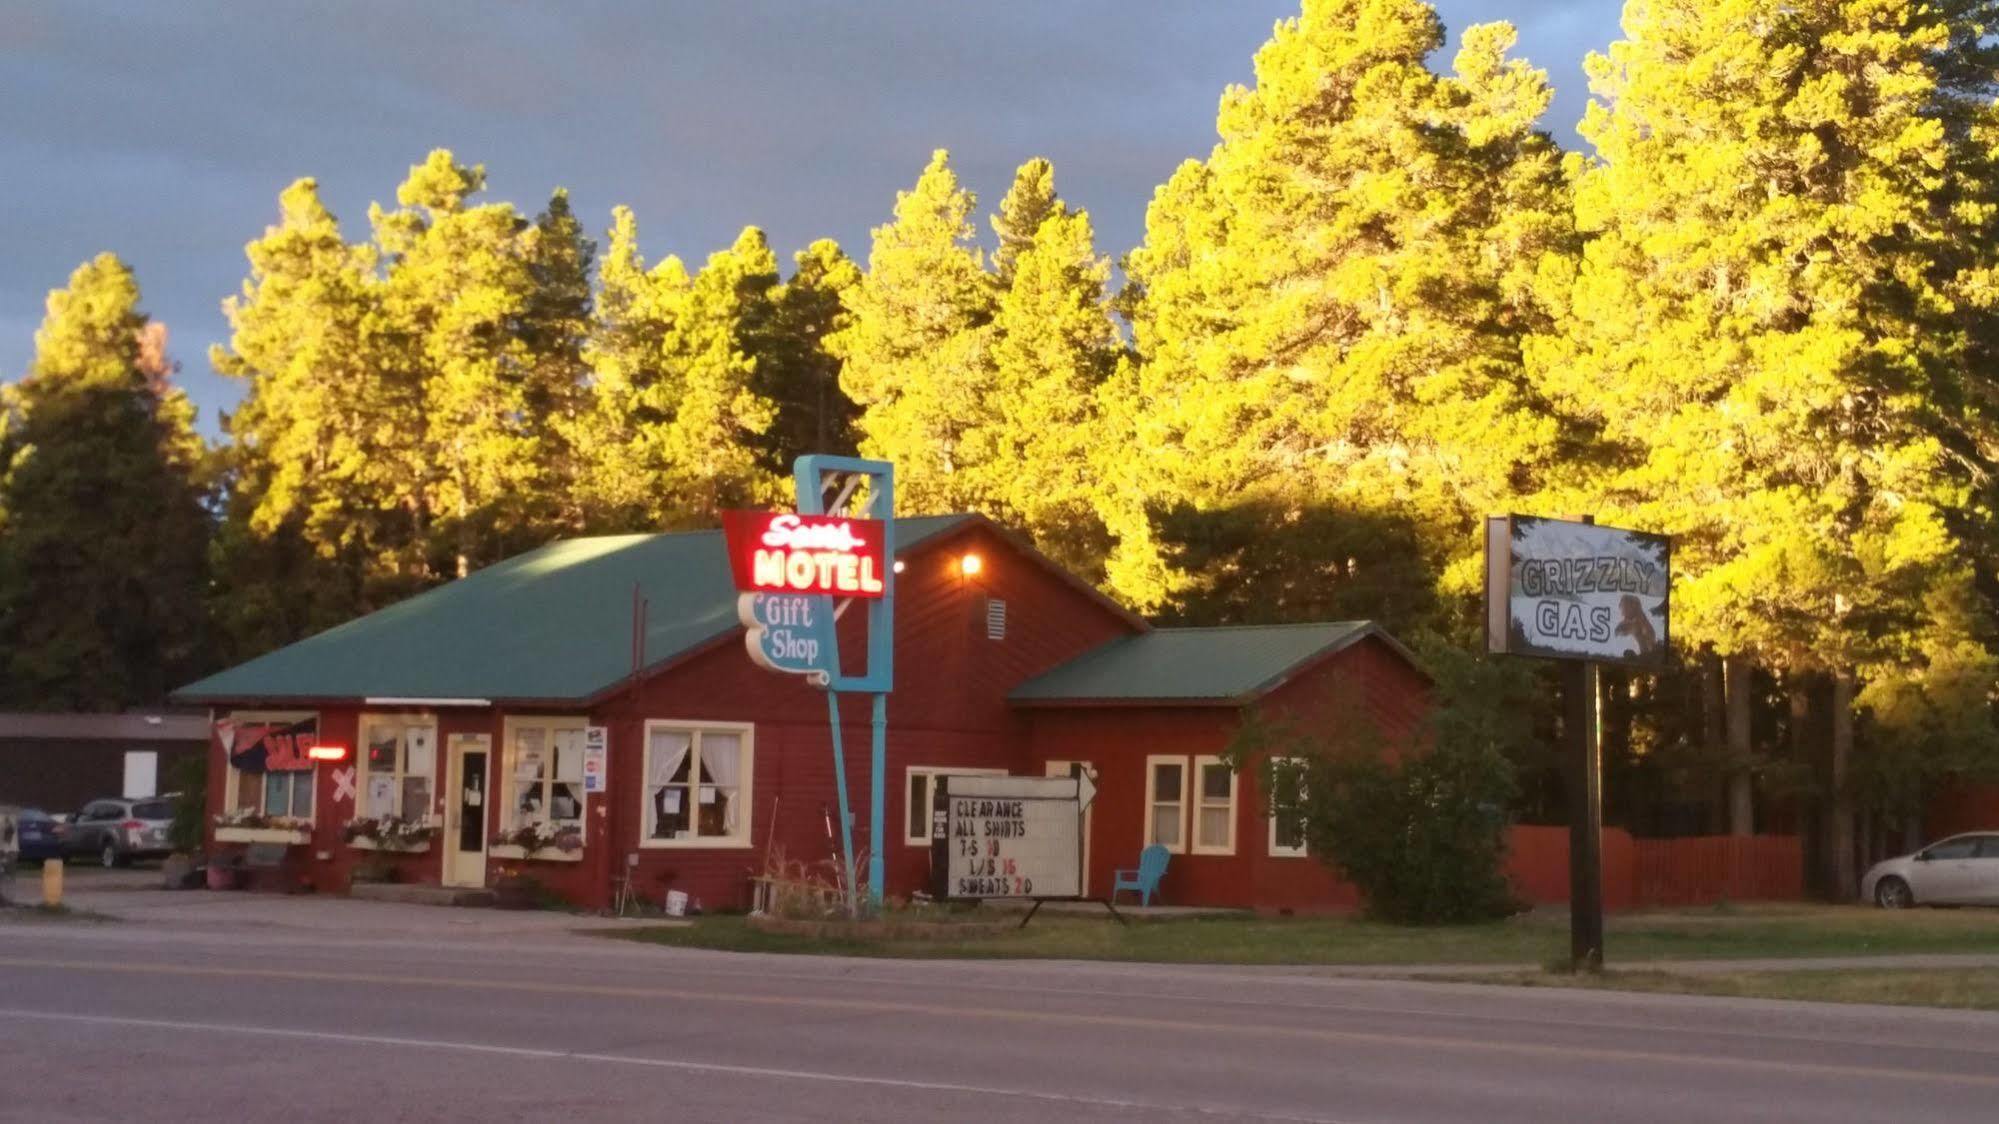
x: 1026, y: 205
x: 796, y: 371
x: 1330, y: 308
x: 708, y: 449
x: 1054, y: 345
x: 555, y: 330
x: 103, y: 532
x: 1771, y: 326
x: 317, y: 524
x: 632, y: 389
x: 916, y: 353
x: 460, y: 285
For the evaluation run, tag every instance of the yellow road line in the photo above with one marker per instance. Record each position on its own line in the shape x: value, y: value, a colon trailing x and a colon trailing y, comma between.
x: 1558, y: 1052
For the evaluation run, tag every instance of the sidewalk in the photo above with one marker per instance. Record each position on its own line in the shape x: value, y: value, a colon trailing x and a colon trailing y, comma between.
x: 133, y: 896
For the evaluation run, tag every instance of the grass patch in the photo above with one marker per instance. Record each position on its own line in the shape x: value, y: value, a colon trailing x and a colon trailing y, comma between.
x: 1965, y: 988
x: 1737, y: 931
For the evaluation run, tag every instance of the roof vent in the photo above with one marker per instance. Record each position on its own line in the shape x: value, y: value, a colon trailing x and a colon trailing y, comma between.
x: 995, y: 619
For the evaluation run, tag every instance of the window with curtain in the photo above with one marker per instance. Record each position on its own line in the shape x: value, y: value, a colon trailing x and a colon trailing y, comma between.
x: 545, y: 770
x: 697, y: 785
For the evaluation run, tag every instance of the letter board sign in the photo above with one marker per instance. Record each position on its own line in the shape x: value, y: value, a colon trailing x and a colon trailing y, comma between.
x: 1579, y: 591
x: 1007, y: 837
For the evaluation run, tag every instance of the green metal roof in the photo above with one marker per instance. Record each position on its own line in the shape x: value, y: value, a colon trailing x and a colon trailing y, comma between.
x: 554, y: 623
x: 1191, y: 665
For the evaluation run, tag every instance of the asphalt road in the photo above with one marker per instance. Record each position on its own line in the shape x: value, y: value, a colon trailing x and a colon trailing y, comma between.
x: 236, y: 1022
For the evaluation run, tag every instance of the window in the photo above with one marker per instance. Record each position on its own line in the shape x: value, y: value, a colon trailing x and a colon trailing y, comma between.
x: 1988, y: 847
x: 697, y: 790
x: 1214, y: 814
x: 397, y: 768
x: 917, y: 792
x: 1166, y: 803
x: 276, y: 794
x: 544, y: 771
x: 1287, y: 829
x: 1963, y: 847
x: 268, y: 771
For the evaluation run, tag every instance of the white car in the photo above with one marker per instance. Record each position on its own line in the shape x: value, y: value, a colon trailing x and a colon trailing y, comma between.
x: 1960, y: 870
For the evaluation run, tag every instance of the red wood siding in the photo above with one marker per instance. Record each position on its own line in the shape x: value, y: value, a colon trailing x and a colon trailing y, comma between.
x: 948, y: 709
x: 1368, y: 678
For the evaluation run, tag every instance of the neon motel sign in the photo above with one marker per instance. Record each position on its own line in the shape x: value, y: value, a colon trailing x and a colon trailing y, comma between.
x: 783, y: 552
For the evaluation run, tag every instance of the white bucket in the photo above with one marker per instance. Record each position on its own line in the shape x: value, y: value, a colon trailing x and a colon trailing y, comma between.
x: 676, y: 903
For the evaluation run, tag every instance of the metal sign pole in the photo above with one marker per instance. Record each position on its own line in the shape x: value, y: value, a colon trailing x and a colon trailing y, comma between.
x: 846, y: 816
x: 877, y: 802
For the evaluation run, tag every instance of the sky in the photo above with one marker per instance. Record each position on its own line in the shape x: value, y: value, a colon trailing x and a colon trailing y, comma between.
x: 164, y: 131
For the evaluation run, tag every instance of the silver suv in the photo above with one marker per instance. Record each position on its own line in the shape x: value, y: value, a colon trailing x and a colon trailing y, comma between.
x: 118, y: 831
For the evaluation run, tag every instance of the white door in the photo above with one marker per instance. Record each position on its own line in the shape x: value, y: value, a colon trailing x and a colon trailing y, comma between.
x: 1061, y: 769
x: 1984, y: 888
x: 142, y: 774
x: 1944, y: 871
x: 465, y: 811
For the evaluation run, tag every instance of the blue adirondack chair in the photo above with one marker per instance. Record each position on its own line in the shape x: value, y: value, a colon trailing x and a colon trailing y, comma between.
x: 1145, y: 880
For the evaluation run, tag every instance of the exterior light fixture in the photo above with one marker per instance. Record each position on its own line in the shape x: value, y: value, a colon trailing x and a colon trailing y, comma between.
x: 327, y: 752
x: 970, y: 565
x: 899, y: 566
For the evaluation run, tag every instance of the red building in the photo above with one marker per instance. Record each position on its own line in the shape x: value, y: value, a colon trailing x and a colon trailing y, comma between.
x: 594, y: 696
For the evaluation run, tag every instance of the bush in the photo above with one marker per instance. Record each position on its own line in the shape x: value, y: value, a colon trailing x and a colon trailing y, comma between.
x: 187, y: 778
x: 1421, y: 835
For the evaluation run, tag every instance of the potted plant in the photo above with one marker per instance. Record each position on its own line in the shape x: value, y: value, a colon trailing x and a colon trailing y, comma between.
x: 225, y: 872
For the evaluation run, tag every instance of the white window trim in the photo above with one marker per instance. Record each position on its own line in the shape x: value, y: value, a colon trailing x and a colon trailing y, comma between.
x: 362, y: 770
x: 1152, y: 798
x: 1278, y: 851
x: 930, y: 790
x: 230, y: 773
x: 1198, y: 802
x: 509, y: 801
x: 745, y: 837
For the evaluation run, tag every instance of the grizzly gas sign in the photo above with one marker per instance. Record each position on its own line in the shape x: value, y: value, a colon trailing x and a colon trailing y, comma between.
x: 1567, y: 590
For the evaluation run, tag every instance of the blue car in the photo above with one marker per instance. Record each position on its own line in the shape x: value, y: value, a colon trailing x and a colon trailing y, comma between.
x: 38, y: 836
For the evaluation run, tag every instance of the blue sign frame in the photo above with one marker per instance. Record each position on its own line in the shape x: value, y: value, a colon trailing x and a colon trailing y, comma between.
x: 809, y: 475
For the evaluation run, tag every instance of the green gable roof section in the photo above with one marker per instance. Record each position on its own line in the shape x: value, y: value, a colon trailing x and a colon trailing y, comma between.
x: 554, y: 625
x: 1195, y: 666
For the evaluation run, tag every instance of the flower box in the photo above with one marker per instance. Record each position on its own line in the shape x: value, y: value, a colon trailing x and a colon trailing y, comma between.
x: 539, y: 854
x: 417, y: 848
x: 289, y: 836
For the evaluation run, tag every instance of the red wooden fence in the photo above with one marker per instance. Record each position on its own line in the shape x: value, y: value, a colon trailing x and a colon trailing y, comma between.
x: 1699, y: 870
x: 1710, y: 868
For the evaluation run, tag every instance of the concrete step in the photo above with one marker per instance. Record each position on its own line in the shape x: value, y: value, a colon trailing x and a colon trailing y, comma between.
x: 412, y: 893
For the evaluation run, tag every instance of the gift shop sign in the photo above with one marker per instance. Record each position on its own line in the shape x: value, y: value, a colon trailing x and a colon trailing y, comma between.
x: 784, y: 552
x: 788, y: 632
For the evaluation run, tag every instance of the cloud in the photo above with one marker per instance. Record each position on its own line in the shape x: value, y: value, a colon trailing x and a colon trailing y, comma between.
x: 164, y: 132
